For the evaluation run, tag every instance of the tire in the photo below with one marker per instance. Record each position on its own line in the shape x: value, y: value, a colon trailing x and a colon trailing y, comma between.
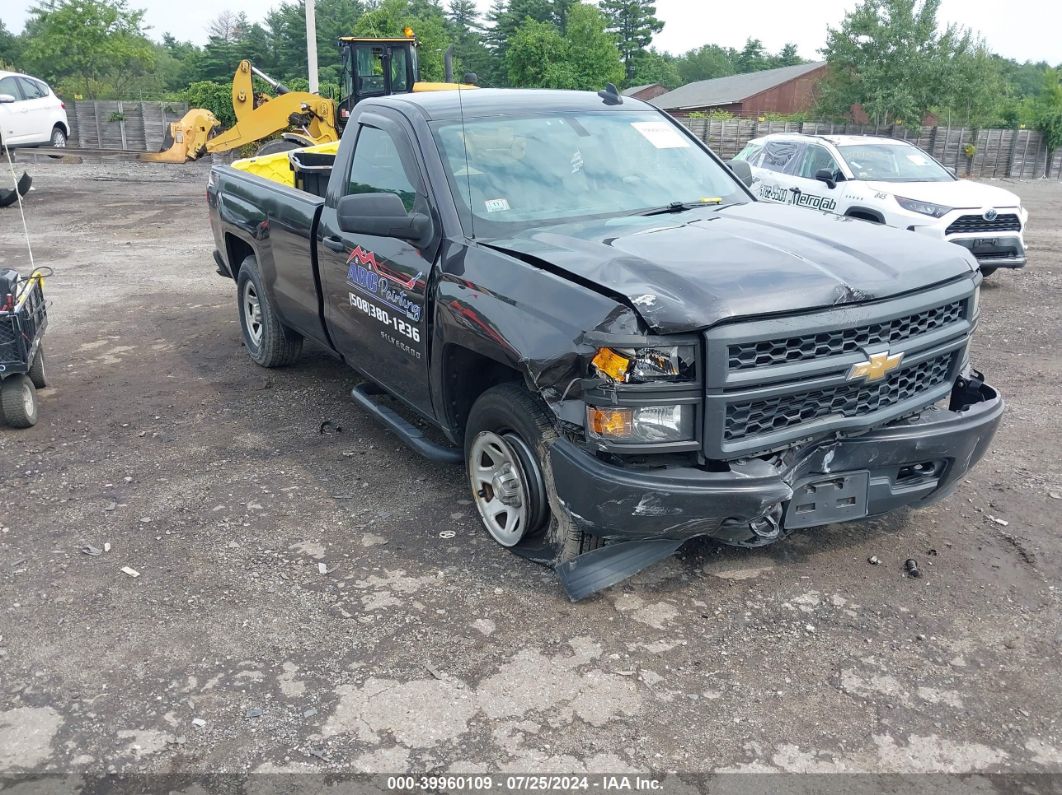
x: 276, y: 145
x: 507, y: 441
x: 988, y: 271
x: 269, y: 342
x: 18, y: 401
x: 36, y: 371
x: 58, y: 139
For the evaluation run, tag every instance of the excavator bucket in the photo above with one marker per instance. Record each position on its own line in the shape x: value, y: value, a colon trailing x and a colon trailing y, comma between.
x: 185, y: 139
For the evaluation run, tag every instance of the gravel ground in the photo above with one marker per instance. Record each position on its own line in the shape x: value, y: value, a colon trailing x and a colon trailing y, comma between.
x: 302, y: 606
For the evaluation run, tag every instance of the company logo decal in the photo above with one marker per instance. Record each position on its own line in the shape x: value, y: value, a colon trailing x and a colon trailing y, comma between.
x: 367, y: 275
x: 991, y: 214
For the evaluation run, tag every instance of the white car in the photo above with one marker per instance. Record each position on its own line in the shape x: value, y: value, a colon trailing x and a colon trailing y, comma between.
x: 891, y: 182
x: 30, y: 113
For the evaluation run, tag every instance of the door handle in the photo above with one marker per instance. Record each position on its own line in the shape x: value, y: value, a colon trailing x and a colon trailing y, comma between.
x: 334, y: 243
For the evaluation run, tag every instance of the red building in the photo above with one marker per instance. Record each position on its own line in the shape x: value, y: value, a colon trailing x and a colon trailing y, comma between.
x: 789, y: 89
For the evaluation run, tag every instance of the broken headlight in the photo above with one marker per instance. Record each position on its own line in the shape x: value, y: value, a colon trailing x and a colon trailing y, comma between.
x: 671, y: 364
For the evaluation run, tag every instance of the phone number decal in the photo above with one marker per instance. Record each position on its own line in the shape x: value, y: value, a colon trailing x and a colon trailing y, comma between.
x: 407, y: 330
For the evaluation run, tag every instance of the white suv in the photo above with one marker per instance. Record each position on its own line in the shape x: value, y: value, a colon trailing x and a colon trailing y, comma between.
x: 889, y: 182
x: 30, y: 114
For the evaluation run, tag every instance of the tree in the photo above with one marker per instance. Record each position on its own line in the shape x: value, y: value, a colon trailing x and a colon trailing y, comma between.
x: 391, y: 17
x: 787, y: 56
x: 753, y: 58
x: 10, y: 47
x: 705, y: 63
x: 96, y: 48
x: 890, y: 57
x: 583, y: 57
x: 633, y: 23
x: 656, y: 67
x: 1047, y: 111
x: 470, y: 52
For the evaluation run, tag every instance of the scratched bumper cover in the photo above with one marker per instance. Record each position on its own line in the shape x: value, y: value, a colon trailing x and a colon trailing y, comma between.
x: 681, y: 503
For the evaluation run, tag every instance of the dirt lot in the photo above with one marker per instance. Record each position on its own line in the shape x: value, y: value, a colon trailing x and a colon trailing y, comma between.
x: 233, y: 651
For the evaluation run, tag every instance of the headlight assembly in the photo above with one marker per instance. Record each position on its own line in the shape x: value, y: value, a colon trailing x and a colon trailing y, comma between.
x: 923, y: 208
x: 646, y: 365
x: 641, y: 424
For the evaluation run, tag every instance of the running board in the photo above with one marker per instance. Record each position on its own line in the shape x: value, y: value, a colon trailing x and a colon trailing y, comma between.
x: 596, y: 570
x: 363, y: 395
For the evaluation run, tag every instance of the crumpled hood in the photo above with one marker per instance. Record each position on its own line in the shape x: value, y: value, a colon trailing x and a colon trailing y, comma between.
x: 690, y: 270
x: 958, y: 194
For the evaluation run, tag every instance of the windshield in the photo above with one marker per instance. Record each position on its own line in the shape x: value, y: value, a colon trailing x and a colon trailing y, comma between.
x: 527, y: 172
x: 893, y: 163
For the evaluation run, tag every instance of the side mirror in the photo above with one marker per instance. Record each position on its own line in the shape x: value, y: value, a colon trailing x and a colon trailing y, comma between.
x: 381, y: 214
x: 825, y: 175
x: 741, y: 169
x: 6, y: 99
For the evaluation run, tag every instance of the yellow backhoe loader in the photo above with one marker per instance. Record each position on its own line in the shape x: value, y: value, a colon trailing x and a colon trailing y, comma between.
x: 372, y: 67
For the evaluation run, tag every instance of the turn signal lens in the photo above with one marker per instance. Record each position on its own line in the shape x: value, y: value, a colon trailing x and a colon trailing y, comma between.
x: 610, y: 423
x: 612, y: 364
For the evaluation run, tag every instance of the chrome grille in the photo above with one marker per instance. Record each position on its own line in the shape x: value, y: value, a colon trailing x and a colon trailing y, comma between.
x: 976, y: 223
x: 832, y: 343
x: 755, y: 417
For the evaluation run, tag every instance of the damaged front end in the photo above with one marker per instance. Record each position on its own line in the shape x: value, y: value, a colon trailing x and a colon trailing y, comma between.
x: 781, y: 424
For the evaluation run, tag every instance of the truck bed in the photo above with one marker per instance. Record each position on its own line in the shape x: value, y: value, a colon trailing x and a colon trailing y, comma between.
x: 280, y: 223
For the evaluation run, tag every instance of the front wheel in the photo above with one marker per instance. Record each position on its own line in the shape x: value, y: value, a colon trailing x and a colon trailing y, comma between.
x: 269, y: 342
x: 507, y: 441
x: 18, y: 401
x: 276, y: 145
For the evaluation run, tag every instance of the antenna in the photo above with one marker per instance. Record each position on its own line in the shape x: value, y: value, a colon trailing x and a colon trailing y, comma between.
x: 468, y: 173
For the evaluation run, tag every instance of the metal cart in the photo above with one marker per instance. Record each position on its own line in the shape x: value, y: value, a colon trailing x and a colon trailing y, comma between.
x: 23, y: 319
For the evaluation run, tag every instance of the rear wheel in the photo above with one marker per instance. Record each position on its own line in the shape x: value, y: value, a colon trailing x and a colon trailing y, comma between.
x: 269, y: 342
x: 58, y: 139
x: 507, y: 443
x: 18, y: 401
x: 36, y: 370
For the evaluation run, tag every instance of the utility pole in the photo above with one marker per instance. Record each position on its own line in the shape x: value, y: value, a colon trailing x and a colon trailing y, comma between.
x: 311, y: 45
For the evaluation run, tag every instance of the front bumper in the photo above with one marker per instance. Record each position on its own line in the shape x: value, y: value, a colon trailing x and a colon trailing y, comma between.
x: 680, y: 503
x: 1002, y: 249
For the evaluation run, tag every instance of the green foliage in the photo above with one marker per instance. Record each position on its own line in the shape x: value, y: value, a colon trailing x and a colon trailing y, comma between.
x: 93, y: 48
x: 891, y: 57
x: 633, y: 23
x: 390, y: 17
x: 1047, y: 109
x: 711, y: 60
x: 583, y: 57
x: 10, y: 48
x: 655, y: 67
x: 215, y: 97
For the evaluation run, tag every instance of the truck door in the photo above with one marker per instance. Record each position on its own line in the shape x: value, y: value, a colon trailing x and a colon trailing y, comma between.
x: 375, y: 288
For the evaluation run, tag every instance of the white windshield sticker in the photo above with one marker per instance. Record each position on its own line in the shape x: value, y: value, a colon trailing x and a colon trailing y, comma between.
x: 661, y: 134
x: 918, y: 160
x: 496, y: 205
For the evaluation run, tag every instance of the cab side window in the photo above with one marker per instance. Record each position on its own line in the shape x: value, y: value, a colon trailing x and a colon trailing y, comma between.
x: 378, y: 168
x: 780, y: 156
x: 816, y: 159
x: 9, y: 85
x: 31, y: 89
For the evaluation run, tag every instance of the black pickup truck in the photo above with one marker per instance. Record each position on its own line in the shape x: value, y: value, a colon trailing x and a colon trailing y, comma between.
x: 622, y: 345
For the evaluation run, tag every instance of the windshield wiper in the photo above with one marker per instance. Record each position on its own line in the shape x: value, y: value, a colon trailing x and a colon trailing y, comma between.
x: 681, y: 207
x: 678, y: 207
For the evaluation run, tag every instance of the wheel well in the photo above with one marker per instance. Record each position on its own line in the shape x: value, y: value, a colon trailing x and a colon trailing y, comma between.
x: 467, y: 375
x: 866, y: 215
x: 237, y: 250
x: 65, y: 128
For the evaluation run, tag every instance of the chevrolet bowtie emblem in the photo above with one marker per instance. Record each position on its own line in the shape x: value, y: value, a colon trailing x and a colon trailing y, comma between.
x: 876, y: 366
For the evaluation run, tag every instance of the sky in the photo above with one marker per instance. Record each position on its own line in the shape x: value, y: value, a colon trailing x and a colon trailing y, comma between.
x: 1029, y: 30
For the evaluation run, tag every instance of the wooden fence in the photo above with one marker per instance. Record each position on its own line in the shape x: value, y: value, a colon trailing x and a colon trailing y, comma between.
x: 136, y: 126
x: 1003, y: 154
